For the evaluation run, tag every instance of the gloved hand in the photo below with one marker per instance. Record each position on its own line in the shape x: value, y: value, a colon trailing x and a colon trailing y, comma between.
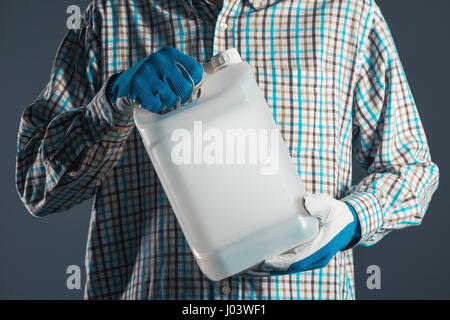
x: 339, y: 228
x: 160, y: 80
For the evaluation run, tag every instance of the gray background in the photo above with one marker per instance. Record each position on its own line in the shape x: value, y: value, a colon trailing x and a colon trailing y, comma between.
x: 34, y: 253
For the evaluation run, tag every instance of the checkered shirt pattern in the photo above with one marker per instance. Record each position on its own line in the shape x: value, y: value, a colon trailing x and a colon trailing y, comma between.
x: 332, y: 78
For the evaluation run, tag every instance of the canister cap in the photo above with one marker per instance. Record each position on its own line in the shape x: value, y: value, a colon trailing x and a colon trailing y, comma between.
x: 225, y: 58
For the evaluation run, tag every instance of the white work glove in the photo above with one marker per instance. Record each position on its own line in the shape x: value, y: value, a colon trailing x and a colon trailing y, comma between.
x: 338, y: 227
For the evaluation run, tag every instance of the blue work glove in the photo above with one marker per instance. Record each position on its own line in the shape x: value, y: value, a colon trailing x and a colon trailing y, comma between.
x: 339, y: 229
x: 158, y: 82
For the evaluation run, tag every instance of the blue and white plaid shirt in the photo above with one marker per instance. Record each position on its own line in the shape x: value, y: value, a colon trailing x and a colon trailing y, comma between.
x: 332, y: 77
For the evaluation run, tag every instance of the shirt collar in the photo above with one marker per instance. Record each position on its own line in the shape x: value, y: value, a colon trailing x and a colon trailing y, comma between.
x: 256, y: 4
x: 262, y: 4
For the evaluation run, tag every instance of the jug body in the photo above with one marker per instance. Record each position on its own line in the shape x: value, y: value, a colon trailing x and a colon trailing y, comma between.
x: 228, y: 174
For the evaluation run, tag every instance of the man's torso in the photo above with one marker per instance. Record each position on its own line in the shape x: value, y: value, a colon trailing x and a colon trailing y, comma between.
x: 304, y: 54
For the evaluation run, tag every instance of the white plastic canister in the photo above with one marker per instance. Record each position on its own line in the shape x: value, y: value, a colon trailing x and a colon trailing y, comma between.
x: 227, y: 172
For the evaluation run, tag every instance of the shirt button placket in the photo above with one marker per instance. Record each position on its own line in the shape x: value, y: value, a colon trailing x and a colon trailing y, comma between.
x: 224, y: 29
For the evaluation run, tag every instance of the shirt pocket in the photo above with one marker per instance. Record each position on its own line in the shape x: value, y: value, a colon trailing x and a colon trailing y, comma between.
x: 319, y: 115
x: 302, y: 102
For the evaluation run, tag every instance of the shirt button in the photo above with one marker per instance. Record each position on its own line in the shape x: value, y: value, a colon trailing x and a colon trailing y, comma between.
x: 226, y: 289
x: 103, y: 124
x: 72, y: 174
x: 223, y: 26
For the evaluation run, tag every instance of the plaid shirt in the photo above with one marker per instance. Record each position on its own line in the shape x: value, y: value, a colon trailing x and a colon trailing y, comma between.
x: 332, y: 77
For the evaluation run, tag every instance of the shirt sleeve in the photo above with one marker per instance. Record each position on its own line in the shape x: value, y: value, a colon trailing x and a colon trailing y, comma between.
x: 70, y: 137
x: 388, y: 141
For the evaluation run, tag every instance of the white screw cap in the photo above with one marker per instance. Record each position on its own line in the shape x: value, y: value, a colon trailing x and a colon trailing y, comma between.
x: 225, y: 58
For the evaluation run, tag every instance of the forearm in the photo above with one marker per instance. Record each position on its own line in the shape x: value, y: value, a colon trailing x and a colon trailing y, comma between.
x: 389, y: 140
x: 63, y: 164
x: 394, y: 199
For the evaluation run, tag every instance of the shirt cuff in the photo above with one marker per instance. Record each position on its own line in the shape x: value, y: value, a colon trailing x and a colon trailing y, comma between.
x: 368, y: 209
x: 357, y: 235
x: 106, y: 124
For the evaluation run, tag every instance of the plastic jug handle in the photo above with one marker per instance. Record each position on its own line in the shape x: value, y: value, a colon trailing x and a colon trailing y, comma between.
x: 196, y: 89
